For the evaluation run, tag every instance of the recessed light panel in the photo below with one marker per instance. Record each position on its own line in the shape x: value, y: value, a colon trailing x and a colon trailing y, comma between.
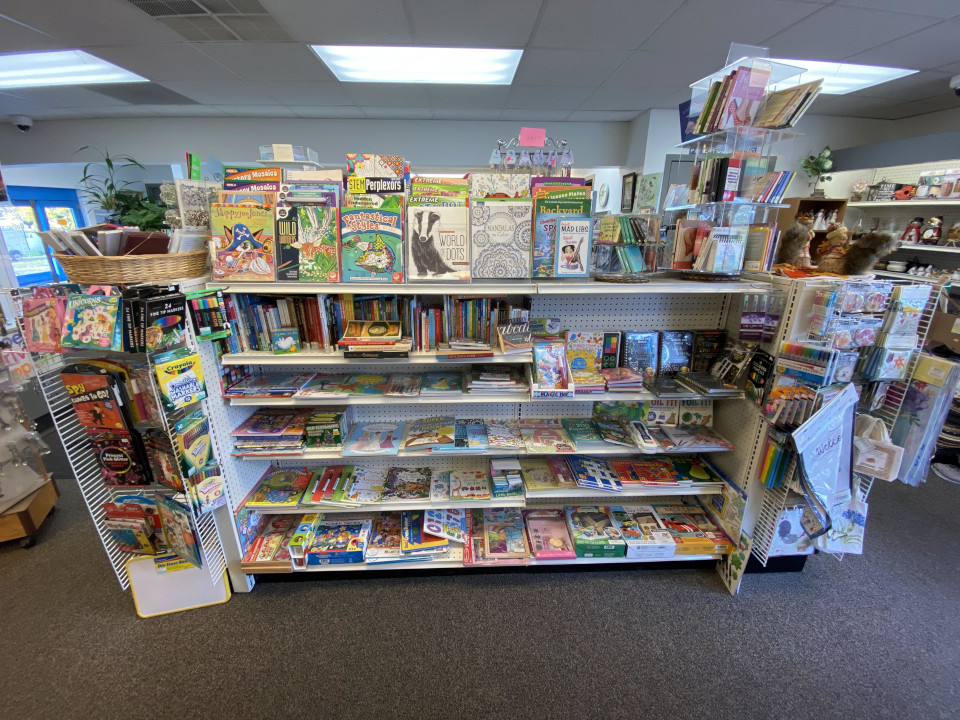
x: 452, y: 66
x: 59, y: 67
x: 840, y: 78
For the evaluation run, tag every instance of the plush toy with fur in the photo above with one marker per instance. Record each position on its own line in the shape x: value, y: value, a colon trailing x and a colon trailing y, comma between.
x: 860, y: 255
x: 794, y: 247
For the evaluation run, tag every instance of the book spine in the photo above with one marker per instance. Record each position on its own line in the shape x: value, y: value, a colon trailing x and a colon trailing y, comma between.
x: 376, y: 354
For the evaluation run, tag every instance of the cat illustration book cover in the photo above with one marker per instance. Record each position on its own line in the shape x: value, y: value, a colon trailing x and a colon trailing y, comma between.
x: 371, y: 247
x: 242, y: 243
x: 437, y: 243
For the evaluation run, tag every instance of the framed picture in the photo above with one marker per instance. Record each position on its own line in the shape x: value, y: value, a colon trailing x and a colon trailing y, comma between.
x: 629, y: 186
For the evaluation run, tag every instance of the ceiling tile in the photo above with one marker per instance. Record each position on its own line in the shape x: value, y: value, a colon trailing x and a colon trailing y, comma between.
x: 547, y: 97
x: 612, y: 24
x: 398, y: 113
x: 838, y: 32
x: 489, y: 96
x: 648, y: 69
x: 164, y: 63
x: 673, y: 101
x: 567, y: 67
x: 91, y: 22
x: 296, y: 93
x: 466, y: 114
x: 265, y: 111
x: 928, y: 48
x: 358, y: 22
x: 468, y: 23
x: 16, y: 105
x: 182, y: 110
x: 534, y: 115
x: 601, y: 115
x: 932, y: 8
x: 328, y: 111
x: 950, y: 68
x: 929, y: 105
x: 617, y: 99
x: 920, y: 85
x: 269, y: 61
x: 67, y: 96
x: 709, y: 26
x: 17, y: 38
x: 232, y: 92
x: 852, y: 106
x: 387, y: 94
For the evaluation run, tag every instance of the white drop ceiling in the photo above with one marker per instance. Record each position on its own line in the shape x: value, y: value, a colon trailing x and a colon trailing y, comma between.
x: 590, y: 60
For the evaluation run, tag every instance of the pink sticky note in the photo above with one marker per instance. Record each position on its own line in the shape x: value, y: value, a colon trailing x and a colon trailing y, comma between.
x: 533, y: 137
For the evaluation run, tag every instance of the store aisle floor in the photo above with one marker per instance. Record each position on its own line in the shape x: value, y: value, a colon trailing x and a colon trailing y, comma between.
x: 870, y: 637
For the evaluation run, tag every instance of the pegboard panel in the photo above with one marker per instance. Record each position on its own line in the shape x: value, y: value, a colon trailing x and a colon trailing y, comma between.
x: 610, y: 499
x: 557, y: 408
x: 909, y: 174
x: 455, y: 462
x: 675, y: 311
x: 739, y: 422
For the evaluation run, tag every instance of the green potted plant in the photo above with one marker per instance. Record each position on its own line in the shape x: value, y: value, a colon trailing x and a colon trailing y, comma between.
x: 100, y: 185
x: 816, y: 166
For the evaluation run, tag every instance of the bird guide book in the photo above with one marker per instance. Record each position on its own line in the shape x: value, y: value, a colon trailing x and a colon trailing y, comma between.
x: 437, y: 243
x: 242, y: 243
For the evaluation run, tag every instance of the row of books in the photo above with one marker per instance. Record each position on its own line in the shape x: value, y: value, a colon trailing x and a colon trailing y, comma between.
x: 288, y: 431
x: 493, y: 380
x: 741, y: 99
x: 492, y: 536
x: 744, y: 247
x: 353, y: 486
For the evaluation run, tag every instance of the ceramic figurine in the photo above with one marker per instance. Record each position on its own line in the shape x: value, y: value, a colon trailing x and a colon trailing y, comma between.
x: 820, y: 221
x: 932, y: 231
x: 911, y: 236
x: 953, y: 235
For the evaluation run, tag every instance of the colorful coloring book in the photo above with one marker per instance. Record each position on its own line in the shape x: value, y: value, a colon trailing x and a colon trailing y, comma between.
x: 279, y: 487
x: 500, y: 238
x: 308, y: 243
x: 374, y: 438
x: 433, y: 433
x: 584, y: 350
x: 120, y: 461
x: 469, y: 485
x: 438, y: 243
x: 371, y: 247
x: 92, y: 322
x: 42, y: 322
x: 242, y: 243
x: 407, y: 484
x: 177, y: 530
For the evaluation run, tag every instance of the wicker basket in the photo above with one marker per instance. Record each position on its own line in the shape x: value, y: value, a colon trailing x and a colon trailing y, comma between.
x: 121, y: 269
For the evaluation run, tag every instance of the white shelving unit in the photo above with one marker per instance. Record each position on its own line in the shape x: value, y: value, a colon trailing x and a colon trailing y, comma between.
x: 903, y: 204
x: 311, y: 359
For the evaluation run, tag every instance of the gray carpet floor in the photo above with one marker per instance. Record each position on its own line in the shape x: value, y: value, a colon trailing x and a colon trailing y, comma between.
x: 876, y: 636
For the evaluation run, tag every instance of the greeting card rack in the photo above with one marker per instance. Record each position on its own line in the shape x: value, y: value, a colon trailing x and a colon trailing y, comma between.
x: 85, y: 466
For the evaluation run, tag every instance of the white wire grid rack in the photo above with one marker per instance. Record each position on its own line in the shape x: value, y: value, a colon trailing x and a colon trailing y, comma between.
x: 83, y: 461
x: 772, y: 501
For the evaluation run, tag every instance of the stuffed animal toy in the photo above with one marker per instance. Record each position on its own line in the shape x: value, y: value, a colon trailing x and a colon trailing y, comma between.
x: 860, y: 255
x: 953, y: 234
x: 794, y: 247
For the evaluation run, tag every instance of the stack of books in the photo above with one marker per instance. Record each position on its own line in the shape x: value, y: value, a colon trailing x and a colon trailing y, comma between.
x: 514, y: 339
x: 374, y: 339
x: 271, y: 431
x: 495, y: 380
x: 622, y: 379
x: 506, y: 475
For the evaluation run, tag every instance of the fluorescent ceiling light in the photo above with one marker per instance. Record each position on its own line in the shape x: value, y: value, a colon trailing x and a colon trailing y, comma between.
x: 840, y: 78
x: 454, y: 66
x: 59, y: 67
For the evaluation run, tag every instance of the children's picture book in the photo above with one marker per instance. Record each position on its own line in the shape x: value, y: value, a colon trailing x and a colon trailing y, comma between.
x: 537, y: 474
x: 366, y: 485
x: 94, y: 397
x: 431, y: 433
x: 371, y: 247
x: 407, y: 484
x: 119, y: 457
x: 438, y: 244
x: 549, y: 537
x: 545, y: 436
x: 584, y: 434
x: 504, y: 435
x: 385, y: 539
x: 449, y: 524
x: 308, y: 242
x: 177, y: 529
x: 551, y: 366
x: 193, y: 442
x: 469, y: 485
x: 403, y: 385
x: 442, y: 383
x: 242, y: 243
x: 366, y: 384
x: 42, y: 323
x: 414, y: 537
x: 440, y: 486
x: 594, y: 473
x: 584, y: 350
x: 641, y: 352
x: 285, y: 341
x: 180, y: 378
x: 92, y: 322
x: 374, y: 438
x: 500, y: 239
x: 279, y: 487
x: 573, y: 248
x: 339, y: 541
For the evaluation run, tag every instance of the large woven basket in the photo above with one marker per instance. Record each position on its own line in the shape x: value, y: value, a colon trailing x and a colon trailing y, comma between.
x: 122, y: 269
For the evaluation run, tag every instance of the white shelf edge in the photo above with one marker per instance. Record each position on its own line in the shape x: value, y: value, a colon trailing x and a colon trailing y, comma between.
x: 903, y: 276
x: 901, y: 203
x: 928, y: 248
x: 336, y: 358
x: 458, y: 564
x: 667, y: 286
x: 380, y: 400
x: 613, y: 450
